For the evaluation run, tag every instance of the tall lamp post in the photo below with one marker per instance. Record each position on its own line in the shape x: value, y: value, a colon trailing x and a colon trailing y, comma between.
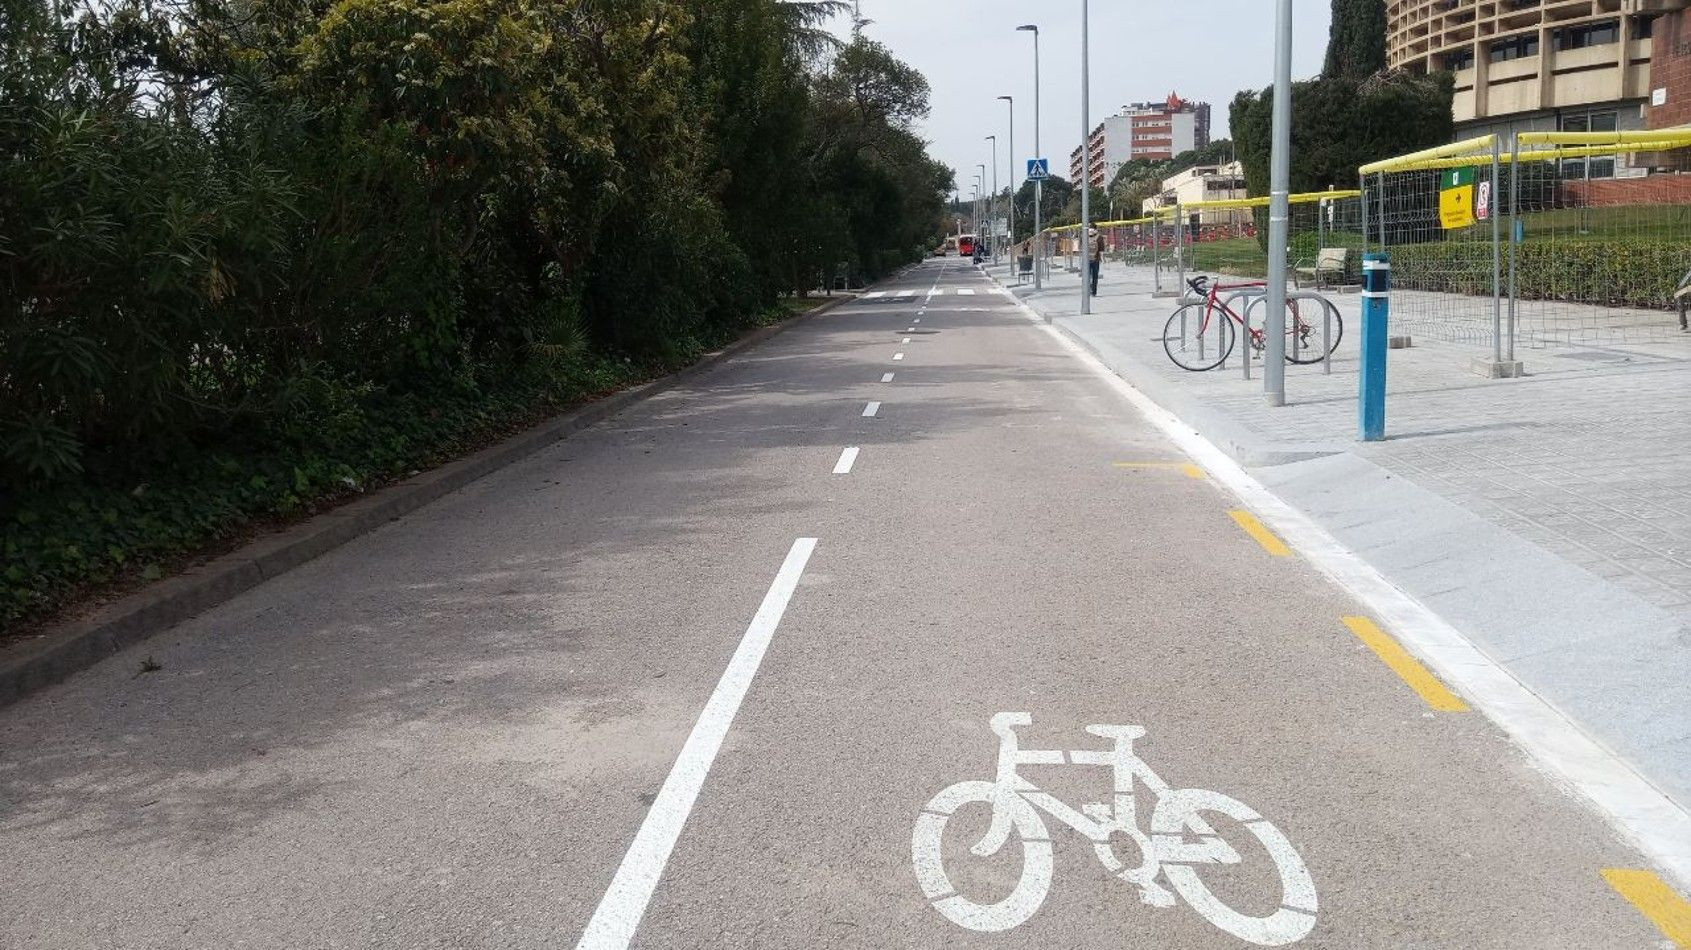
x: 1038, y: 185
x: 1086, y: 162
x: 1014, y: 190
x: 981, y: 230
x: 992, y: 206
x: 1279, y: 210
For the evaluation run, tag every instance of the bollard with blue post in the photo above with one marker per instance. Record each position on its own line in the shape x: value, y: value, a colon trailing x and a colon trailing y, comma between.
x: 1376, y: 308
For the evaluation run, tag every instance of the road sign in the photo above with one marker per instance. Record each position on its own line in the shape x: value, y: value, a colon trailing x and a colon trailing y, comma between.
x: 1039, y: 168
x: 1456, y: 198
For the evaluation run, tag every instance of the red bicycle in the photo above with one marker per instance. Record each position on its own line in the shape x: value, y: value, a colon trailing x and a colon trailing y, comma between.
x: 1200, y: 335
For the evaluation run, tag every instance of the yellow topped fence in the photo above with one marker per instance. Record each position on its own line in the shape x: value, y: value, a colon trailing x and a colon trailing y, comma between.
x: 1576, y: 238
x: 1174, y: 252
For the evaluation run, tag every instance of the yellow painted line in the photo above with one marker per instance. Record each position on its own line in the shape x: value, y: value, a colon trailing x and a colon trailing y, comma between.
x: 1405, y: 666
x: 1656, y: 901
x: 1263, y: 536
x: 1190, y: 470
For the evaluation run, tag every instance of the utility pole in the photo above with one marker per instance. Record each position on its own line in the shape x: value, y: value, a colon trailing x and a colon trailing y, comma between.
x: 1279, y: 211
x: 1038, y: 184
x: 992, y: 208
x: 1086, y: 161
x: 1014, y: 188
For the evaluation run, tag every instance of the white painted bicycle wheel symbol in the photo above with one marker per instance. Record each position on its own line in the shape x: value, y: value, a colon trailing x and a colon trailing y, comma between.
x: 1169, y: 851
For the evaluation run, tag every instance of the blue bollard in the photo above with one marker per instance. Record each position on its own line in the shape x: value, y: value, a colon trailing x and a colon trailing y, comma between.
x: 1376, y: 308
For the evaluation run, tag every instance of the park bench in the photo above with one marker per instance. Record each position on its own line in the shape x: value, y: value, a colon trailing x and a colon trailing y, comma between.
x: 1328, y: 266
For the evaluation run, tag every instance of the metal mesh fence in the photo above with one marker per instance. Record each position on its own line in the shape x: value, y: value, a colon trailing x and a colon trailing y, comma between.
x: 1447, y: 277
x: 1602, y: 248
x: 1555, y: 239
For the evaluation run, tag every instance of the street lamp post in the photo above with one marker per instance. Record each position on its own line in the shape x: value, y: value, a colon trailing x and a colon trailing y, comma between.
x: 1086, y: 162
x: 1038, y: 185
x: 981, y: 230
x: 1279, y: 210
x: 1014, y: 190
x: 992, y: 207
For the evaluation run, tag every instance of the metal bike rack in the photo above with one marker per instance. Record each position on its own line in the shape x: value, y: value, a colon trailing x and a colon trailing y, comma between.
x: 1328, y: 311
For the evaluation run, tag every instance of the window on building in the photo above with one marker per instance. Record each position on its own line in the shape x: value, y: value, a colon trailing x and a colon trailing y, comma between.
x: 1459, y: 60
x: 1600, y: 167
x: 1643, y: 27
x: 1592, y: 34
x: 1518, y: 47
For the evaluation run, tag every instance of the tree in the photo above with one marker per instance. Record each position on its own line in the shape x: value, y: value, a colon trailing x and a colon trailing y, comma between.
x: 1356, y: 41
x: 1057, y: 192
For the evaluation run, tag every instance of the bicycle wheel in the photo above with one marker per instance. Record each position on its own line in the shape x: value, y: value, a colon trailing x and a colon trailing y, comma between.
x: 927, y: 853
x: 1174, y: 820
x: 1197, y: 338
x: 1303, y: 337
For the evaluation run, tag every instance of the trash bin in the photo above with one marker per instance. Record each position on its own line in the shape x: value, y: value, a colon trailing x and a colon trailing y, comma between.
x: 1025, y: 263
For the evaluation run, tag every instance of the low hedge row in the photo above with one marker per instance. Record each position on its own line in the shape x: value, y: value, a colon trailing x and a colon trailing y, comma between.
x: 1612, y: 273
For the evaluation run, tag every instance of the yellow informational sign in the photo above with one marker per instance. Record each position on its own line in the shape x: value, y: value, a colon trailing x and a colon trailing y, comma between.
x: 1456, y: 198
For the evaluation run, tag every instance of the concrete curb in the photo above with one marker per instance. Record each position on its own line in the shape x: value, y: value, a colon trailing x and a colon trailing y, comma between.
x: 68, y: 648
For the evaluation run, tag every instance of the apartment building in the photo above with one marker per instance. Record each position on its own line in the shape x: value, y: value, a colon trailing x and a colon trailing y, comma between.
x: 1142, y: 130
x: 1552, y: 65
x: 1203, y: 183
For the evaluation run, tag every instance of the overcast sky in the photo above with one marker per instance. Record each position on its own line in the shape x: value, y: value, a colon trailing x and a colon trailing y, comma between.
x: 1142, y: 50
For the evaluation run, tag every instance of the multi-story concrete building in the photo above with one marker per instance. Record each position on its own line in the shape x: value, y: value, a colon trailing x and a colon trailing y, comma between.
x: 1143, y: 130
x: 1552, y: 65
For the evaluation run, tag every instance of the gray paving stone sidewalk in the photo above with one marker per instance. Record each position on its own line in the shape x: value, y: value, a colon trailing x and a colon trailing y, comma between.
x: 1589, y: 455
x: 1586, y: 462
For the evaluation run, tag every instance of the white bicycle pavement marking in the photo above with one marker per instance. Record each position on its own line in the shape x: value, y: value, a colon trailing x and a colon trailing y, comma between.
x: 1166, y: 851
x: 618, y: 915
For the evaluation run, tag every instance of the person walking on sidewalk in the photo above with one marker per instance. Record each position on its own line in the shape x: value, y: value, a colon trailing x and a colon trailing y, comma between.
x: 1094, y: 256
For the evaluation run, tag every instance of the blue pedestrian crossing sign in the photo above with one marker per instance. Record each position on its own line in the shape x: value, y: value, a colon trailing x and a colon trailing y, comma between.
x: 1039, y: 168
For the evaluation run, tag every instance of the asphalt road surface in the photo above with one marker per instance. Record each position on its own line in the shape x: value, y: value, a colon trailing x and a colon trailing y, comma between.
x: 724, y: 672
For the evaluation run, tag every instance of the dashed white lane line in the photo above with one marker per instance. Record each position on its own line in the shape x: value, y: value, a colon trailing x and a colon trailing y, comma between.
x: 886, y: 378
x: 848, y: 458
x: 1654, y: 823
x: 871, y: 409
x: 897, y: 356
x: 917, y: 320
x: 907, y: 339
x: 619, y: 912
x: 965, y: 292
x: 873, y: 294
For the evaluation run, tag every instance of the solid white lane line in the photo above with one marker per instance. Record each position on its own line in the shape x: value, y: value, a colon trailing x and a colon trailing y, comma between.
x: 871, y: 409
x: 887, y: 378
x: 619, y: 912
x: 848, y: 458
x: 1653, y: 822
x: 897, y: 356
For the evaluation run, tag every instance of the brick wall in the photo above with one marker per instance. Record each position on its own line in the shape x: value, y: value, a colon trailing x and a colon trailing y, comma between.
x: 1654, y: 190
x: 1670, y: 69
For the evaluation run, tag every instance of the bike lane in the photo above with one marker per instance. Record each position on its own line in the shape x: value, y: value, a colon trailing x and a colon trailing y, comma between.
x: 1023, y: 542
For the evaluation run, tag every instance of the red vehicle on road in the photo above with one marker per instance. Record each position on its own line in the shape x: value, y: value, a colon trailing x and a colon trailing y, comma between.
x: 966, y: 245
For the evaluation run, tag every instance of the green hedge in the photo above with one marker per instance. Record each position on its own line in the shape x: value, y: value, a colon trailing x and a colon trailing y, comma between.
x: 1613, y: 273
x: 63, y: 540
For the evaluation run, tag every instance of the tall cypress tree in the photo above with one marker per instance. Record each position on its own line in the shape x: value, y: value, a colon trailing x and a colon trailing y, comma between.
x: 1356, y: 43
